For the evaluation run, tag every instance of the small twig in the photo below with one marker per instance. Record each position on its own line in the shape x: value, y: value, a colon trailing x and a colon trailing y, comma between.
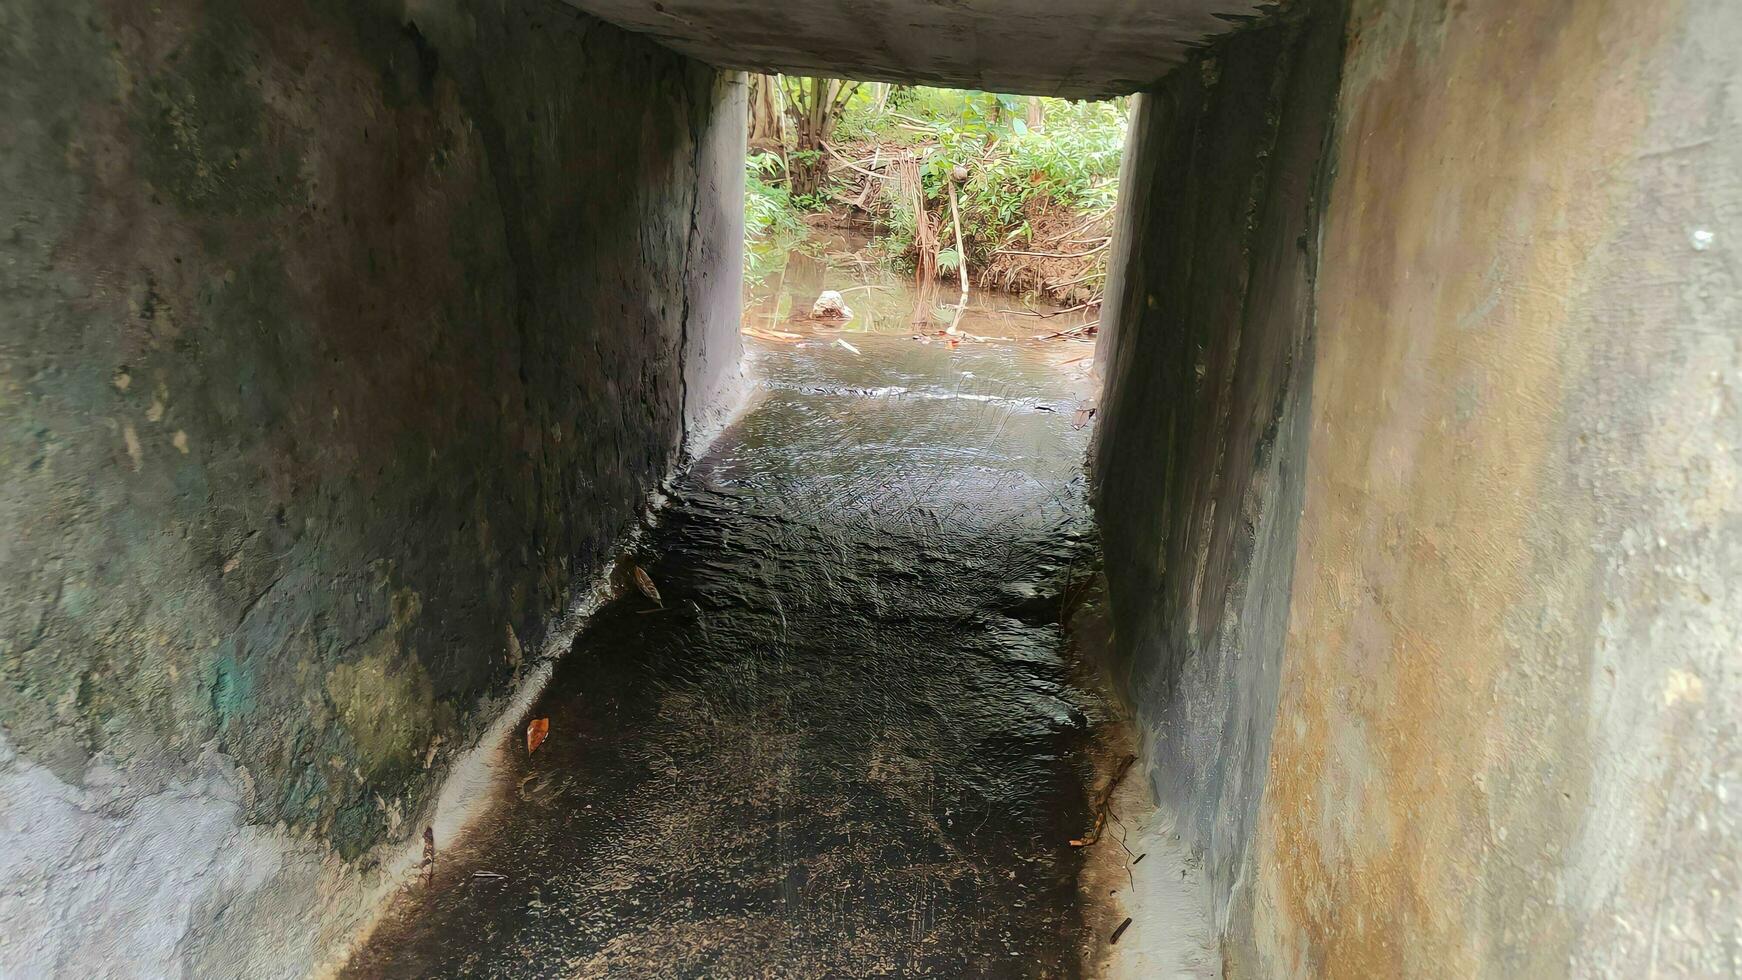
x: 1105, y: 802
x: 1047, y: 316
x: 1124, y: 833
x: 429, y: 855
x: 1119, y: 931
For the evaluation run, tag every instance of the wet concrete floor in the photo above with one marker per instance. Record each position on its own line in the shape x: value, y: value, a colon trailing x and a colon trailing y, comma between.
x: 851, y: 743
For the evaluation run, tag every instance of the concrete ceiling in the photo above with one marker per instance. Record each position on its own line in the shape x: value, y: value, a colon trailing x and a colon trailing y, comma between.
x: 1069, y: 48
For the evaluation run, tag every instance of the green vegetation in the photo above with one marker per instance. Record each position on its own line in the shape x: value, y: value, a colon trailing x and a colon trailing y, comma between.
x: 1017, y: 175
x: 771, y: 219
x: 1034, y: 178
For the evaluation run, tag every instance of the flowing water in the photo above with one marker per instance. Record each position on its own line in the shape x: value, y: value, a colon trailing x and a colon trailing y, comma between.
x: 850, y: 742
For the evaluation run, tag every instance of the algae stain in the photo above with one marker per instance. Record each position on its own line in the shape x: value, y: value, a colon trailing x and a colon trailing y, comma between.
x: 203, y: 125
x: 232, y: 689
x: 385, y: 701
x: 387, y: 706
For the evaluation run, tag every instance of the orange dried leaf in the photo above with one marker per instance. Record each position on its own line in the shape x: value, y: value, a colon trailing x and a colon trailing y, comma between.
x: 536, y: 730
x: 645, y: 584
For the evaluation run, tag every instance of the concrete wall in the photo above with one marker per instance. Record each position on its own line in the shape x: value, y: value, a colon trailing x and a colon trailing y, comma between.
x: 1498, y: 654
x: 1083, y: 49
x: 339, y: 344
x: 1207, y: 353
x: 1508, y: 738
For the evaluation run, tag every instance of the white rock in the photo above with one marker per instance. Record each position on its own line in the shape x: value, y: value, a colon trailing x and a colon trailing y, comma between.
x: 831, y: 306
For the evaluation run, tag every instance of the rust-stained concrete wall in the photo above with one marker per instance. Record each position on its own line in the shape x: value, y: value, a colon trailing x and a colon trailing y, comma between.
x: 1508, y: 737
x: 340, y: 343
x: 1504, y: 735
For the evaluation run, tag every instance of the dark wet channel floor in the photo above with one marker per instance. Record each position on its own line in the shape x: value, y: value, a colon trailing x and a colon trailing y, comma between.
x: 851, y: 744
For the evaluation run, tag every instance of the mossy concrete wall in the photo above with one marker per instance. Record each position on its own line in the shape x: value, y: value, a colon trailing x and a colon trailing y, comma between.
x: 340, y: 343
x: 1448, y: 686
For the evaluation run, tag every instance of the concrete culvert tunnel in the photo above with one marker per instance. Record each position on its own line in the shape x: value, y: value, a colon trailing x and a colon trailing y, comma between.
x: 406, y: 573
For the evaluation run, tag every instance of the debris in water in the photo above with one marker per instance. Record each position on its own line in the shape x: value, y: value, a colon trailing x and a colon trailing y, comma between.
x: 1087, y: 330
x: 1140, y: 858
x: 644, y: 582
x: 428, y: 855
x: 490, y: 875
x: 536, y: 730
x: 846, y: 345
x: 762, y: 334
x: 1103, y: 804
x: 1119, y: 931
x: 1082, y: 417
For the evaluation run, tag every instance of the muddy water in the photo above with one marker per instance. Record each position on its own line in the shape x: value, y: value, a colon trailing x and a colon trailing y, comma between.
x: 850, y: 743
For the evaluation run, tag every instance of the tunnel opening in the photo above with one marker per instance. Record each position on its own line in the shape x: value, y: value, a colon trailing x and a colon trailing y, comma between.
x: 833, y: 718
x: 357, y: 358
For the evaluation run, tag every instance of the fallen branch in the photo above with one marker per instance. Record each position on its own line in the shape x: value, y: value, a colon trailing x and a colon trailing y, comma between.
x: 1056, y: 255
x: 1047, y: 316
x: 961, y: 250
x: 1098, y: 274
x: 1091, y: 325
x: 1097, y: 216
x: 850, y: 164
x: 928, y: 127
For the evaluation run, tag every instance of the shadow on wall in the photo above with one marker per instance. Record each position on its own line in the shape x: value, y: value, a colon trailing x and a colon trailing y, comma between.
x: 336, y: 352
x: 1207, y: 355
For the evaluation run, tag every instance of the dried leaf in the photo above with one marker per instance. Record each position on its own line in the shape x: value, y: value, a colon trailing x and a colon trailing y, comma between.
x: 645, y: 584
x: 536, y: 730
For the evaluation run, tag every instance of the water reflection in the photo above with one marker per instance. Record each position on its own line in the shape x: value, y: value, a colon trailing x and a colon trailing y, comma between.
x: 885, y: 301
